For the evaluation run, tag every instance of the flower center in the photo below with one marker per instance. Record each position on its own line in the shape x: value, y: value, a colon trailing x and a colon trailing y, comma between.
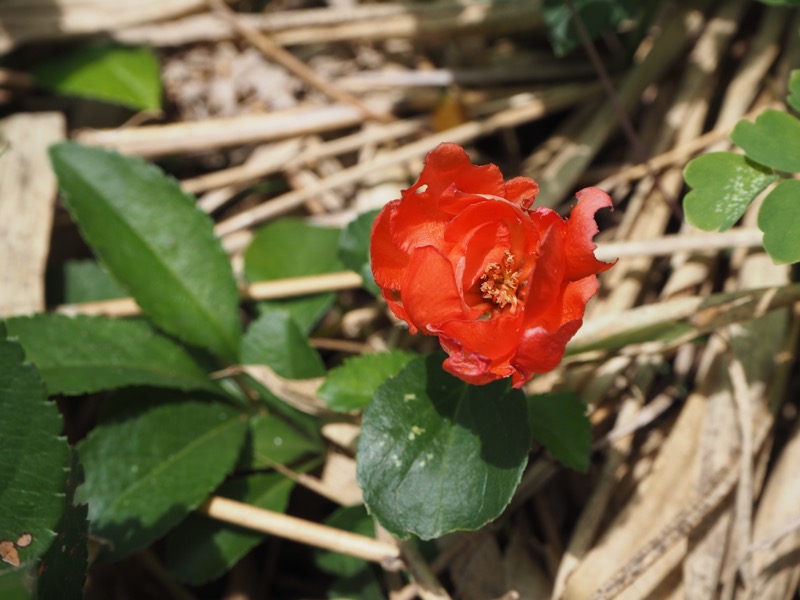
x: 500, y: 283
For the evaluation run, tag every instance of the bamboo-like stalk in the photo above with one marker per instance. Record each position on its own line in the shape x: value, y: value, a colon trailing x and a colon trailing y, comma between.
x: 299, y: 530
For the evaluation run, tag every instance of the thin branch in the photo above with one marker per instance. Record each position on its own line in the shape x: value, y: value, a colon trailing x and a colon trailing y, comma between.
x: 299, y: 530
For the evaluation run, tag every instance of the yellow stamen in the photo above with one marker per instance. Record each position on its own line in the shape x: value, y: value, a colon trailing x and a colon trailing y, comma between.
x: 500, y: 283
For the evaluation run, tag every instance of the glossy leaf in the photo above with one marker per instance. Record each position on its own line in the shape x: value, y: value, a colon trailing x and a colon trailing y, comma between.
x: 201, y: 549
x: 560, y: 423
x: 274, y: 440
x: 62, y: 571
x: 275, y: 340
x: 773, y: 140
x: 723, y: 186
x: 155, y: 241
x: 352, y: 385
x: 779, y: 219
x: 354, y: 248
x: 291, y: 247
x: 77, y: 355
x: 123, y: 75
x: 151, y: 464
x: 794, y: 89
x: 437, y: 455
x: 33, y: 470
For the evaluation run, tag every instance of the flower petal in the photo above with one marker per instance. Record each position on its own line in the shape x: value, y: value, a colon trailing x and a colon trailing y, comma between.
x: 388, y: 261
x: 581, y: 228
x: 429, y: 291
x: 448, y: 164
x: 521, y: 191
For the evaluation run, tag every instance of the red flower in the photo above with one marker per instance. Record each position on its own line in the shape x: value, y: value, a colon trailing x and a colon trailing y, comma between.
x: 463, y: 256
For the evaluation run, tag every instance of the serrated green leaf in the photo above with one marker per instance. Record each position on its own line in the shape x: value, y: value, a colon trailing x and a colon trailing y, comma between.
x: 81, y: 281
x: 599, y: 16
x: 559, y: 423
x: 149, y: 466
x: 154, y: 240
x: 291, y: 247
x: 773, y: 140
x: 437, y: 455
x: 33, y: 470
x: 275, y: 340
x: 779, y: 219
x: 62, y: 571
x: 16, y: 584
x: 201, y: 549
x: 793, y: 98
x: 352, y: 385
x: 124, y: 75
x: 354, y: 248
x: 724, y: 184
x: 78, y: 355
x: 354, y: 519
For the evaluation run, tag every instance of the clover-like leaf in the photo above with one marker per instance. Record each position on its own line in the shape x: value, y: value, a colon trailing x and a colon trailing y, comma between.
x: 723, y: 186
x: 559, y: 422
x: 773, y: 140
x: 779, y: 219
x: 438, y: 455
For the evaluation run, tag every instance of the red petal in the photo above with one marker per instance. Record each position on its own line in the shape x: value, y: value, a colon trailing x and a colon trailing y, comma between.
x: 388, y: 261
x: 494, y: 338
x: 581, y: 228
x: 541, y: 350
x: 544, y: 285
x: 448, y: 164
x: 429, y: 291
x: 522, y: 191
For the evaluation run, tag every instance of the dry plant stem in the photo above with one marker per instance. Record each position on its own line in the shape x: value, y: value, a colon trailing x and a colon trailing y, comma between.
x: 291, y: 63
x: 718, y: 488
x: 265, y: 290
x: 535, y: 106
x: 299, y: 530
x: 427, y: 586
x: 379, y: 21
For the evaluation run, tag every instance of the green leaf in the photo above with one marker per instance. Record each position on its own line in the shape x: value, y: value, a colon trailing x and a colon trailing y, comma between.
x: 348, y: 518
x: 77, y: 355
x: 794, y: 89
x: 275, y: 340
x: 773, y: 140
x: 63, y: 567
x: 354, y: 248
x: 16, y: 584
x: 276, y: 441
x: 201, y: 549
x: 364, y: 585
x: 154, y: 240
x: 118, y: 74
x: 599, y: 16
x: 779, y: 219
x: 437, y: 455
x: 352, y: 385
x: 81, y: 281
x: 559, y: 422
x: 723, y: 186
x: 33, y: 470
x: 152, y: 464
x: 291, y: 247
